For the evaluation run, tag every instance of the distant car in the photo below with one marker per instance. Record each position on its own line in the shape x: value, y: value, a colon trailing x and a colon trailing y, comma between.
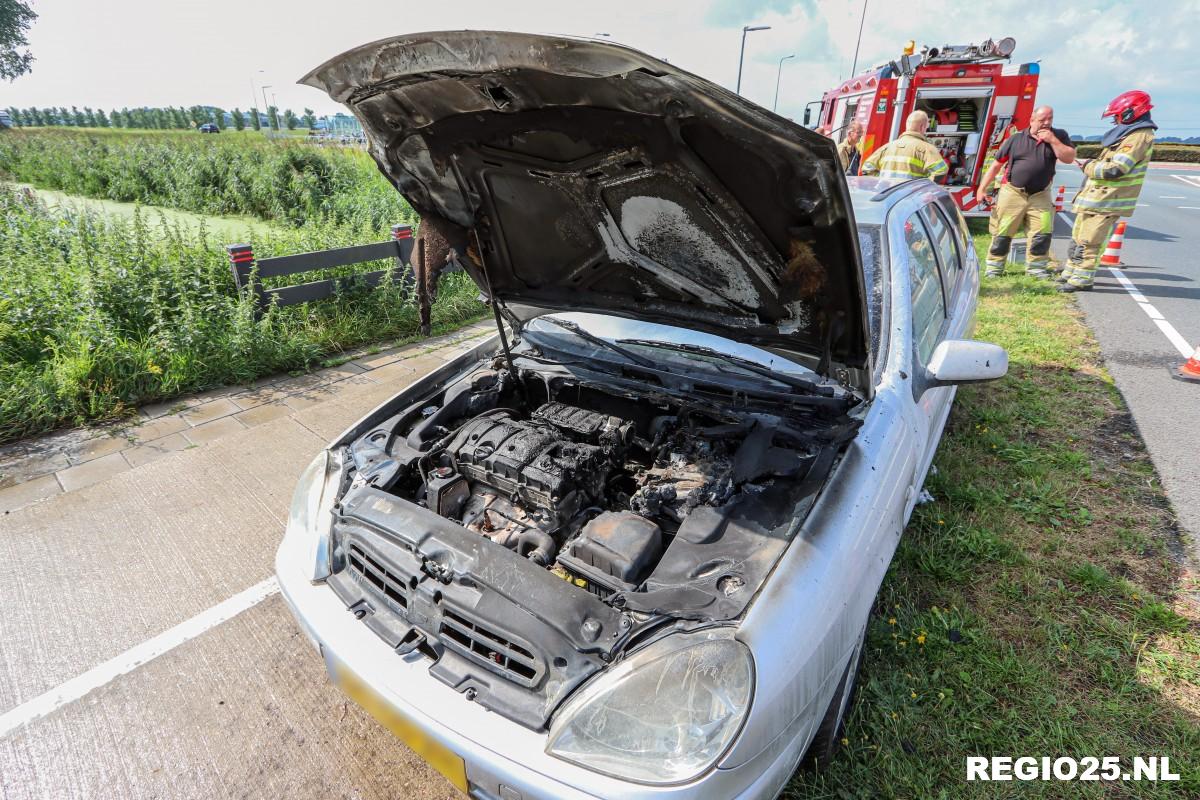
x: 631, y: 550
x: 208, y: 127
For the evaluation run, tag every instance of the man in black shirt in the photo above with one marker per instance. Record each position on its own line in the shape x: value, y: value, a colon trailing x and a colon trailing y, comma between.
x: 1027, y: 158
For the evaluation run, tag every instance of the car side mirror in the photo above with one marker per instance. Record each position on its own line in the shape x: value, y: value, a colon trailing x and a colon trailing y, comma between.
x: 807, y: 116
x: 958, y: 361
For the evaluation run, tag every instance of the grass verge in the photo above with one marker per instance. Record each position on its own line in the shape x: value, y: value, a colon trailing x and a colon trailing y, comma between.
x: 99, y: 314
x: 1040, y: 606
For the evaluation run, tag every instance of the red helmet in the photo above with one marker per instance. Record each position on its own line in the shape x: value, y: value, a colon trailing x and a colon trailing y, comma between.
x: 1127, y: 107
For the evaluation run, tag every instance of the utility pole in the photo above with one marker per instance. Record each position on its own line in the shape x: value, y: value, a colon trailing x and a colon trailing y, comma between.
x: 742, y: 53
x: 854, y: 69
x: 778, y: 75
x: 254, y: 92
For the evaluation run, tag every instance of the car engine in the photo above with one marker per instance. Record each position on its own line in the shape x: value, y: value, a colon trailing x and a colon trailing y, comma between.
x: 531, y: 526
x: 592, y: 487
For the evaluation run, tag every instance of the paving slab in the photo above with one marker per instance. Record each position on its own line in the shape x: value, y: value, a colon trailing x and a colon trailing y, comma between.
x: 93, y: 471
x: 22, y: 494
x: 145, y: 453
x: 211, y: 431
x: 207, y: 412
x: 96, y: 447
x: 158, y: 428
x: 257, y: 415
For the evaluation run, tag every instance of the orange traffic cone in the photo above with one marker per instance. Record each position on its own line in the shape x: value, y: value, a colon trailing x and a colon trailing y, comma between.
x: 1058, y: 201
x: 1112, y: 254
x: 1190, y: 369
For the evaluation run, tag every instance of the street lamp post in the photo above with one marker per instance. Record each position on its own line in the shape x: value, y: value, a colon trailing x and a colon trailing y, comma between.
x: 779, y: 75
x: 742, y: 54
x: 265, y: 106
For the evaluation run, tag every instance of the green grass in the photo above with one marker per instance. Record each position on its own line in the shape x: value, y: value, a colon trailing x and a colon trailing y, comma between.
x: 1039, y: 606
x: 99, y: 314
x: 289, y: 181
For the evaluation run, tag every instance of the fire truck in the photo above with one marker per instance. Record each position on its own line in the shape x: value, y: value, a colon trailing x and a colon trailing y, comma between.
x: 974, y: 96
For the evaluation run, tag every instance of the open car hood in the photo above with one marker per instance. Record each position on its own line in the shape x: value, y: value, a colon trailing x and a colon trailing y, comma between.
x: 597, y: 178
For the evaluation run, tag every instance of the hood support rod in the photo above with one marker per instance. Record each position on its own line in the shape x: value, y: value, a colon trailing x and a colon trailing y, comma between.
x: 512, y: 370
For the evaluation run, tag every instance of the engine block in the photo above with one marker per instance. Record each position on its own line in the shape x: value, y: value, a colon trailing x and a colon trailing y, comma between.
x: 530, y: 462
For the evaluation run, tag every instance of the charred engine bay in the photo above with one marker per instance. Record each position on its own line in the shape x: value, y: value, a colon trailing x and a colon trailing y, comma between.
x: 531, y: 531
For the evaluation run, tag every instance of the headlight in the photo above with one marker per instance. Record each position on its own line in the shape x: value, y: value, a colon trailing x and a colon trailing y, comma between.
x: 309, y: 518
x: 663, y: 715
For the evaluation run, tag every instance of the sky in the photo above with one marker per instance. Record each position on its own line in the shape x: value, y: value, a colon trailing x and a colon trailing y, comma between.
x: 153, y: 53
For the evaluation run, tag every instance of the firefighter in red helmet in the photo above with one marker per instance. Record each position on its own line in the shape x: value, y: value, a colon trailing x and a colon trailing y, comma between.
x: 1114, y: 181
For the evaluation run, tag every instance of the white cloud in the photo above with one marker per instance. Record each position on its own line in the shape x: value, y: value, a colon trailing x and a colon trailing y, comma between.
x: 134, y: 52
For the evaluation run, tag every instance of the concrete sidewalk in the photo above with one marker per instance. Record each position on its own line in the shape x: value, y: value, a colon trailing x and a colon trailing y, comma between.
x: 100, y: 567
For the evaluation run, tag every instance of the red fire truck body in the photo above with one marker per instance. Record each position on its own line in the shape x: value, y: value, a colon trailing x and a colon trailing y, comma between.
x: 973, y: 101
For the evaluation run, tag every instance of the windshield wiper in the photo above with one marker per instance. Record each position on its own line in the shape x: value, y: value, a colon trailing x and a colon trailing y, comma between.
x: 599, y: 342
x: 811, y: 387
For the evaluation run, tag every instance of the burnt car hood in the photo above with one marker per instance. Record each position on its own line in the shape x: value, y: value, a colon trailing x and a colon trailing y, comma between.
x: 598, y: 178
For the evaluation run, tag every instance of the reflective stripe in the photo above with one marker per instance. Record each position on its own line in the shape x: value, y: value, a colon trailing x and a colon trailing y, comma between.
x: 1124, y: 159
x: 1121, y: 202
x: 937, y: 167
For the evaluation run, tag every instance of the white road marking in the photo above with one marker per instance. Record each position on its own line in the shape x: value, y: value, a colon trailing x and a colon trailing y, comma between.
x: 1190, y: 180
x: 1171, y: 197
x: 1173, y: 336
x: 134, y: 657
x: 1191, y: 208
x: 1167, y: 328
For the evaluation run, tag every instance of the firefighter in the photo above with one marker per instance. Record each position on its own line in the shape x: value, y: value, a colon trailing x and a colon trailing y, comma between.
x: 1114, y: 181
x: 848, y: 150
x: 908, y: 156
x: 1028, y: 160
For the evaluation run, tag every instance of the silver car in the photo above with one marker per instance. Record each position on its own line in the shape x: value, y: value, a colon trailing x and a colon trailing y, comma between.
x: 628, y: 547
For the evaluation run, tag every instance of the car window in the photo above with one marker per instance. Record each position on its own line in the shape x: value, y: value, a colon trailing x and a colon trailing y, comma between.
x: 957, y: 221
x: 928, y: 301
x: 947, y: 248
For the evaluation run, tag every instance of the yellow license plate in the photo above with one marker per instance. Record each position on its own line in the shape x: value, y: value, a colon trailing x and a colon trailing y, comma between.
x: 434, y: 753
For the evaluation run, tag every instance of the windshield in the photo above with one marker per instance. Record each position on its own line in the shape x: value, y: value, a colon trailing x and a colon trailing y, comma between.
x: 667, y: 347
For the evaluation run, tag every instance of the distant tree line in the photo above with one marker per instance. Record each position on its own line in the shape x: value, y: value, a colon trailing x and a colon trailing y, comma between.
x: 168, y: 118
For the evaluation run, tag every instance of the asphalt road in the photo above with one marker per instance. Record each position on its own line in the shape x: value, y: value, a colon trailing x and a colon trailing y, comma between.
x: 1161, y: 262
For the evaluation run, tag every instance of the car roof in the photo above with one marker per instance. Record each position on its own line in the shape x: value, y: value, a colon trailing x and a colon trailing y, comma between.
x: 872, y: 198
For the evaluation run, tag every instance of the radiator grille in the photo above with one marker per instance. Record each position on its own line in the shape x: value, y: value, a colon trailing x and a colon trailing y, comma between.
x: 489, y: 648
x: 367, y: 568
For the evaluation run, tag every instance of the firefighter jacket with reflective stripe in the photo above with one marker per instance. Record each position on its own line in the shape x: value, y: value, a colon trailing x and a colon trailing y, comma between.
x: 1115, y: 176
x: 910, y: 156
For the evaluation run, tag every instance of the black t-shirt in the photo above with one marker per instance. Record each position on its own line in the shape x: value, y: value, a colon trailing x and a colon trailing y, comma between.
x: 1030, y: 162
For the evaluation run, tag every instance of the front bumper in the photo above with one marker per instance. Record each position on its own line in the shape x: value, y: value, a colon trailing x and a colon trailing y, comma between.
x: 503, y: 759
